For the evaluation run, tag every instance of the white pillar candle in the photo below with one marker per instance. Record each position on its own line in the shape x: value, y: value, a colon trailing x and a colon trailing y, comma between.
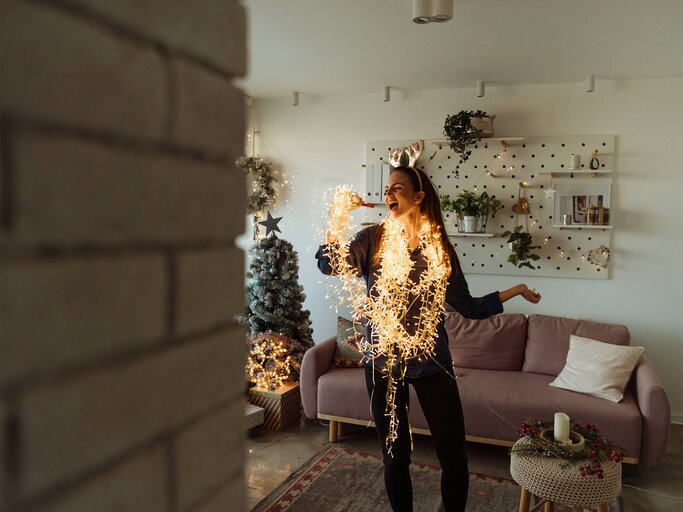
x: 561, y: 427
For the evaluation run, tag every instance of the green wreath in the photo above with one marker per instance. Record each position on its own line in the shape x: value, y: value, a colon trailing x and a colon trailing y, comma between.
x: 264, y: 177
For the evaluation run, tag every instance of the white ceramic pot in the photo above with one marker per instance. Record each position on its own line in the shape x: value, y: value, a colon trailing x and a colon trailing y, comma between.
x: 469, y: 223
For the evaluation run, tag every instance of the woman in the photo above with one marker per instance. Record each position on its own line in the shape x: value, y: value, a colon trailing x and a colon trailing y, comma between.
x: 411, y: 198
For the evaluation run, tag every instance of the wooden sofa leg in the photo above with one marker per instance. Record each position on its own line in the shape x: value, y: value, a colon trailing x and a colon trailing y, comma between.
x: 333, y: 431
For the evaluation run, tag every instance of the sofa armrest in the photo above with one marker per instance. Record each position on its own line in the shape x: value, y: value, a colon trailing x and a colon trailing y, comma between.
x: 655, y: 409
x: 317, y: 360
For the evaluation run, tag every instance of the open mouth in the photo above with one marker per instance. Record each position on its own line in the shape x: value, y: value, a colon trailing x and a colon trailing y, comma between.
x: 393, y: 206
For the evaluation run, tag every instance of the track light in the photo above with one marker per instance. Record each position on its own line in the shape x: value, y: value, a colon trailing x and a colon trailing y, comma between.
x: 422, y: 11
x: 590, y: 83
x: 442, y: 10
x: 426, y: 11
x: 387, y: 94
x: 480, y: 89
x: 295, y: 99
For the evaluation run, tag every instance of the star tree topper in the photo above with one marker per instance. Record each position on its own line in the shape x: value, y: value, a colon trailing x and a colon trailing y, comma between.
x: 271, y: 224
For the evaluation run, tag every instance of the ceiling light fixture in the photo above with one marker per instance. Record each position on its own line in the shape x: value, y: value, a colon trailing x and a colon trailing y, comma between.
x: 387, y: 93
x: 480, y: 89
x: 295, y: 98
x: 442, y: 10
x: 426, y: 11
x: 422, y: 11
x: 590, y: 83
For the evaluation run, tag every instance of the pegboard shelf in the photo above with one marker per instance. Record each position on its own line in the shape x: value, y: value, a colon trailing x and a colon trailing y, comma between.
x: 478, y: 235
x: 529, y: 160
x: 582, y: 226
x: 590, y: 172
x: 510, y: 141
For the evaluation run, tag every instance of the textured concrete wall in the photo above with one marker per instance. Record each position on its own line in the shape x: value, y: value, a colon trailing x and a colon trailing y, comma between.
x: 121, y: 369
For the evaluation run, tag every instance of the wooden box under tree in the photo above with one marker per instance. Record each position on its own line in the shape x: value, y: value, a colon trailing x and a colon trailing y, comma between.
x: 282, y: 405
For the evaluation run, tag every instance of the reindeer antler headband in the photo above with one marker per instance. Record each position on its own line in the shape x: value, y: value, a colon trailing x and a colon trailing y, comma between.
x: 407, y: 157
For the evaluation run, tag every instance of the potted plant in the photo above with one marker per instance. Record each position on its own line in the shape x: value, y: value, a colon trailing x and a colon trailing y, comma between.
x: 466, y: 128
x: 472, y: 210
x: 520, y: 243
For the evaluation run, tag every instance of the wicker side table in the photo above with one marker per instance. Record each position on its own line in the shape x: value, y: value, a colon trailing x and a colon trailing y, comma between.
x: 545, y: 477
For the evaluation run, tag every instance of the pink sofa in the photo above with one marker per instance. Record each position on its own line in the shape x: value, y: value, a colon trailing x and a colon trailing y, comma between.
x: 505, y: 363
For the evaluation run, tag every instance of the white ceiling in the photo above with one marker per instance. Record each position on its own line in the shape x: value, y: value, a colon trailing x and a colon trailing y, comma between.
x: 345, y: 46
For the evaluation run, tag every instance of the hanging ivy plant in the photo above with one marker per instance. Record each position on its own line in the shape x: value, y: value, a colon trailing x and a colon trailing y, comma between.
x: 521, y: 248
x: 264, y: 180
x: 462, y: 133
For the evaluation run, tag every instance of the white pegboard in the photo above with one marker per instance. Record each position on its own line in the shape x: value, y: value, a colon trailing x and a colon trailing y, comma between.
x: 542, y: 162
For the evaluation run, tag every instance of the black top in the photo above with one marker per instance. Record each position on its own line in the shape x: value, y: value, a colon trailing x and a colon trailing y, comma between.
x: 361, y: 252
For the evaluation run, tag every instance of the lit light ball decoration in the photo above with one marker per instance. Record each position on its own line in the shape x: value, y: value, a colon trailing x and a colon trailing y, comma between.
x: 392, y: 294
x: 269, y: 362
x: 599, y: 257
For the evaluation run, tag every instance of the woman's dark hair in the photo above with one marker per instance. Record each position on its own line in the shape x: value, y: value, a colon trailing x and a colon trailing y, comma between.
x: 430, y: 207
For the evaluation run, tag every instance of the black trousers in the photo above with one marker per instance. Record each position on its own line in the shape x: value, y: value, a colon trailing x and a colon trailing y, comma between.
x: 440, y: 401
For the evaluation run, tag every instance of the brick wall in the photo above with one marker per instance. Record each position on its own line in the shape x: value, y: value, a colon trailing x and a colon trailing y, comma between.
x: 121, y: 369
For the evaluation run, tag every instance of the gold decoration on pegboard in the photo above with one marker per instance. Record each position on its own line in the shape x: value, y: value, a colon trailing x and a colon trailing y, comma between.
x: 522, y: 205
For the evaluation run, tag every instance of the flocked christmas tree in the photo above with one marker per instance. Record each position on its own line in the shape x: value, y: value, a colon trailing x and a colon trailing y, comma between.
x: 274, y: 300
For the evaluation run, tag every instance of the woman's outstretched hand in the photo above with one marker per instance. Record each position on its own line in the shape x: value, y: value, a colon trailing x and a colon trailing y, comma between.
x: 530, y: 294
x: 357, y: 201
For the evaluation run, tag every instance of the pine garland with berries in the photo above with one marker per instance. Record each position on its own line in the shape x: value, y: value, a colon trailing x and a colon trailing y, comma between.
x: 597, y: 451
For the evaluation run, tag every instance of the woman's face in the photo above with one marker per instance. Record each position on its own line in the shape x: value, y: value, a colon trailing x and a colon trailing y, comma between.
x: 400, y: 196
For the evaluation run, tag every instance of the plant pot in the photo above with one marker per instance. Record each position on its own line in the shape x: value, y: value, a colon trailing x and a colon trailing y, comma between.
x: 468, y: 224
x: 483, y: 126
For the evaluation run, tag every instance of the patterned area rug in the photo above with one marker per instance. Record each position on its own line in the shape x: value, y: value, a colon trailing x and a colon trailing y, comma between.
x: 340, y: 479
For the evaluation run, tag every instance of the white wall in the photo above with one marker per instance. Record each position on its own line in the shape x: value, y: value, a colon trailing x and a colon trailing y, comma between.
x: 322, y: 143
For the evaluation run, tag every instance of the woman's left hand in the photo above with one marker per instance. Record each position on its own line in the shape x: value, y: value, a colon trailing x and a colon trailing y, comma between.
x: 530, y: 294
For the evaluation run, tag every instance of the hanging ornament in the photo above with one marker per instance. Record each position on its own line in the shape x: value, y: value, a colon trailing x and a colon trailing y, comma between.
x: 594, y: 163
x: 599, y: 257
x: 522, y: 205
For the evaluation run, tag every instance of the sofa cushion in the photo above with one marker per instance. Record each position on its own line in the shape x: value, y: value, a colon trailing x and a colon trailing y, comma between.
x: 342, y: 392
x: 597, y: 368
x: 548, y: 340
x: 496, y: 343
x: 517, y: 396
x: 349, y: 335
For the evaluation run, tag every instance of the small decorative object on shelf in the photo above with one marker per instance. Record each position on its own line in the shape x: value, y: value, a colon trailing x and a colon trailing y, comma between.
x: 594, y: 163
x: 522, y: 206
x: 598, y: 216
x: 472, y: 211
x: 520, y: 243
x: 596, y: 449
x: 575, y: 162
x: 466, y: 128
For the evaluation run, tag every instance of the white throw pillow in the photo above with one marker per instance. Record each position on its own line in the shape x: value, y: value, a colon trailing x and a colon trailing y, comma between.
x: 597, y: 368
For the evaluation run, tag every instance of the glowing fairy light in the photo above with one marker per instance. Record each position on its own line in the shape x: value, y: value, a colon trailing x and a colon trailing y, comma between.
x: 269, y: 363
x: 391, y: 296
